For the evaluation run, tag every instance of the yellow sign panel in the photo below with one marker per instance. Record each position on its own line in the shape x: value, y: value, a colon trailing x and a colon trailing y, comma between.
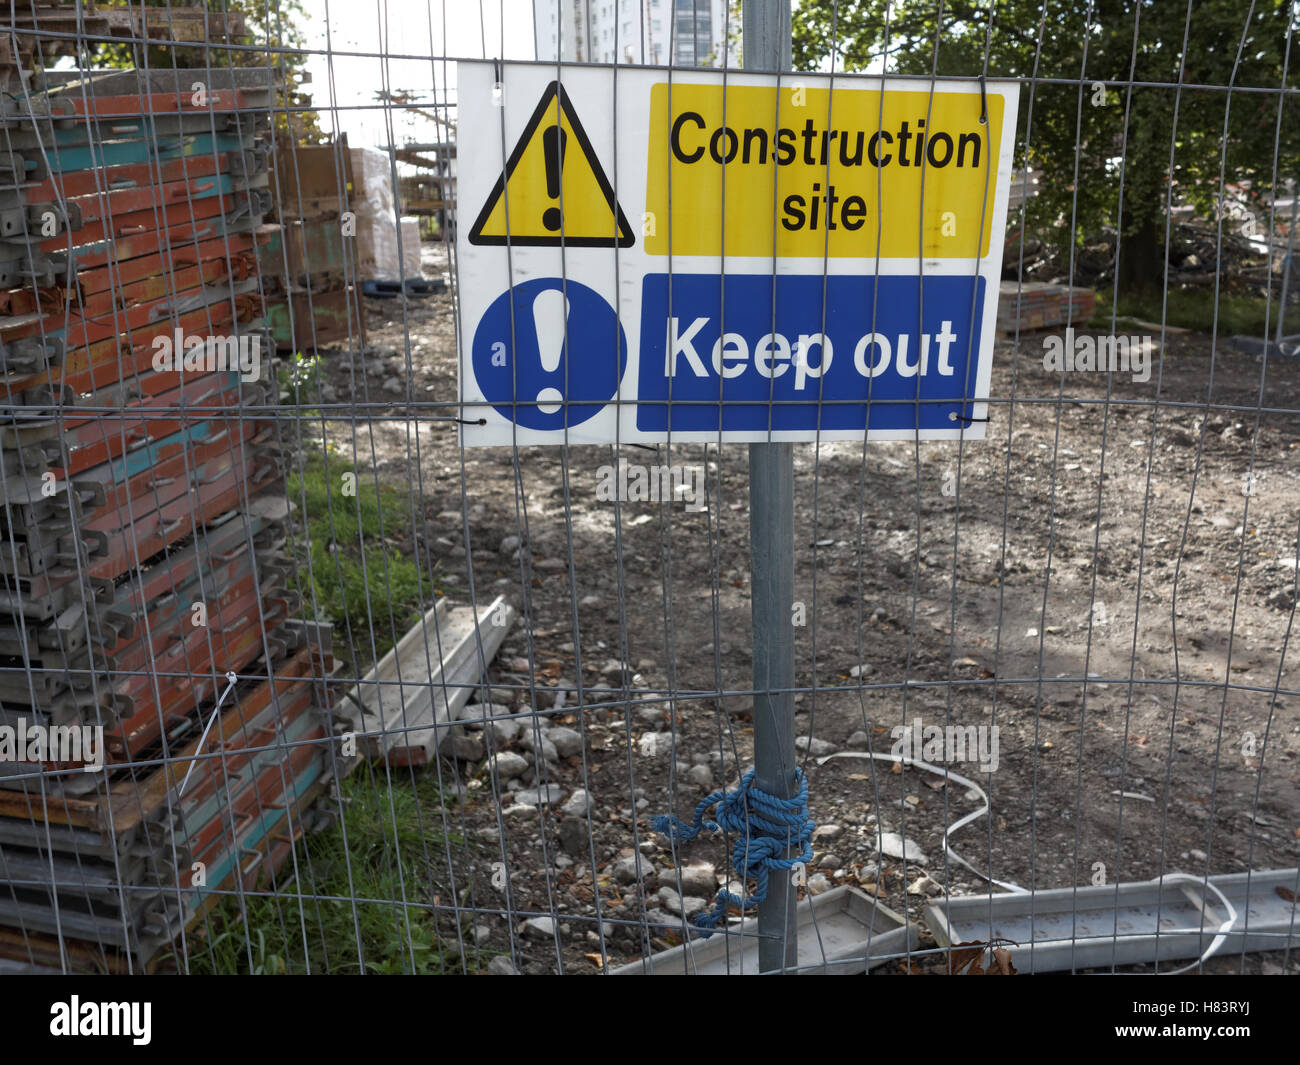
x: 822, y: 173
x: 553, y: 190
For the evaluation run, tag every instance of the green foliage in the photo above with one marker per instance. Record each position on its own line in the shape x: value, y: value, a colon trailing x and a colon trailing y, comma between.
x: 300, y: 378
x: 393, y: 843
x: 1087, y: 42
x: 388, y: 847
x: 1245, y: 315
x: 269, y: 25
x: 363, y: 571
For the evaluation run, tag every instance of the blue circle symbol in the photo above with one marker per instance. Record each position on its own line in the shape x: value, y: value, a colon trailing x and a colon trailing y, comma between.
x: 567, y: 358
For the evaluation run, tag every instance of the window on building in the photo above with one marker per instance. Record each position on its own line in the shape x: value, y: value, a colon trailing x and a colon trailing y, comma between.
x: 693, y: 22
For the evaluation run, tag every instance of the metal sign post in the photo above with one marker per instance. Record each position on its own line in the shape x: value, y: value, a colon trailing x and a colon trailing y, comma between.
x: 766, y: 43
x: 713, y: 328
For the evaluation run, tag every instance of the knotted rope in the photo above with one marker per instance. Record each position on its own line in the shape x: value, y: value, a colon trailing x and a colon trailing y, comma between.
x: 766, y: 827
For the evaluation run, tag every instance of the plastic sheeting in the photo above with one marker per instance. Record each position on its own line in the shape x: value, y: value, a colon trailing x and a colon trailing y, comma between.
x: 410, y: 248
x: 372, y: 202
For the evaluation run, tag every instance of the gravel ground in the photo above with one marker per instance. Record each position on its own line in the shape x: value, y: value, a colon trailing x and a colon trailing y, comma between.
x: 1150, y: 548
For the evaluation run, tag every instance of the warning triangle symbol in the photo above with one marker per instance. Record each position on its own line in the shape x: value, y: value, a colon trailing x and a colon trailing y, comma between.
x: 553, y: 188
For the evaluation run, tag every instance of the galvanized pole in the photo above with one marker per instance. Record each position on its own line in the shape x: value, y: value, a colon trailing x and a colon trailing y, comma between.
x: 1287, y: 262
x: 766, y: 44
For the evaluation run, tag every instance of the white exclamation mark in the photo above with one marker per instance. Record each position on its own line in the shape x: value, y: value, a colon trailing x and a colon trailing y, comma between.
x: 550, y: 313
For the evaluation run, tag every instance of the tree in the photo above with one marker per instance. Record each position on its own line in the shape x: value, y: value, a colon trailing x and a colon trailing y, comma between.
x: 1119, y: 133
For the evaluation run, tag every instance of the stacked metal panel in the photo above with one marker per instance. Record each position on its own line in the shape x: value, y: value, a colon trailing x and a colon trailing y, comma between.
x: 36, y: 34
x: 145, y: 615
x: 313, y: 297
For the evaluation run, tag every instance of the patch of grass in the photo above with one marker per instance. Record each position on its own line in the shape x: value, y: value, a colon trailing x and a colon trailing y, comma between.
x: 364, y: 574
x: 387, y: 848
x: 1189, y: 309
x: 390, y: 850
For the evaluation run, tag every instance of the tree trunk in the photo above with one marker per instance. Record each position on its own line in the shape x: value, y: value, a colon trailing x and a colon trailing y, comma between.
x: 1142, y: 260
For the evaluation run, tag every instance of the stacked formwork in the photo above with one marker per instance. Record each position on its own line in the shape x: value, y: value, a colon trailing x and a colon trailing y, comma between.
x: 313, y: 298
x: 37, y: 34
x: 430, y: 192
x: 144, y: 602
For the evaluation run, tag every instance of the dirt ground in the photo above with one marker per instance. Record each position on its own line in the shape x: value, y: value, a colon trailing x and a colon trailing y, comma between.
x: 1165, y: 578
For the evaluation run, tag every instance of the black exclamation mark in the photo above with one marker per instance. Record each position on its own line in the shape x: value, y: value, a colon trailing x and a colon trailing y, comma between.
x: 553, y: 147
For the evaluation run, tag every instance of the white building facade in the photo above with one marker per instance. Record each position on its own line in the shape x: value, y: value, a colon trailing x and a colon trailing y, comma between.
x: 690, y: 33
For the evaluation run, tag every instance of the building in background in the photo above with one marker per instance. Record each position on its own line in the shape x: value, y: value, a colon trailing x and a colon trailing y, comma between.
x: 691, y: 33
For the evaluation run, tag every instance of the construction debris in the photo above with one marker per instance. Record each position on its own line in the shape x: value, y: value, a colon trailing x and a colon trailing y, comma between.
x: 842, y: 932
x: 1176, y: 917
x: 405, y: 707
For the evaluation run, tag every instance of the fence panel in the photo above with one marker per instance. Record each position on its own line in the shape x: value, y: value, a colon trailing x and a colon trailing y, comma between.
x: 372, y: 604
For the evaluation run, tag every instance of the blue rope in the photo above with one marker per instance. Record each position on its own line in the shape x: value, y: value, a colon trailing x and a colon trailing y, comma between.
x: 765, y: 827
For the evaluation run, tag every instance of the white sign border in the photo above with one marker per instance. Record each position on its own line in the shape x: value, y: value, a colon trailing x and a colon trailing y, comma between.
x: 522, y: 85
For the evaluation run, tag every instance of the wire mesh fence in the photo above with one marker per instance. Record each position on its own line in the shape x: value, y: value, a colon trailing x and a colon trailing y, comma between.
x: 386, y: 565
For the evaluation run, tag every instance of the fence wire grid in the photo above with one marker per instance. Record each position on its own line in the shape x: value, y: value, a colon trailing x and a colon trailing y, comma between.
x: 296, y: 679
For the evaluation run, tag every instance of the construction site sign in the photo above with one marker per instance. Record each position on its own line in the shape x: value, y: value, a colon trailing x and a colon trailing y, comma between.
x: 807, y: 257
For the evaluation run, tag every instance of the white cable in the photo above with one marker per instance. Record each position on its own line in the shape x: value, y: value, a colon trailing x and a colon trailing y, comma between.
x: 1204, y: 882
x: 1219, y: 937
x: 962, y: 823
x: 231, y: 679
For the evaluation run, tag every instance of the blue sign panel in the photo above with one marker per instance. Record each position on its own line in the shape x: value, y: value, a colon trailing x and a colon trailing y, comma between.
x: 549, y: 370
x: 807, y: 352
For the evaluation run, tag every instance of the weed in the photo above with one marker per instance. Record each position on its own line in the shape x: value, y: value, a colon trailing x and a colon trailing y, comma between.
x: 365, y: 573
x: 383, y: 855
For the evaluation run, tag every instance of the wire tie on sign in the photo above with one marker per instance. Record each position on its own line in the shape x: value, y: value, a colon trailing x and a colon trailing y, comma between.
x: 984, y: 103
x: 231, y: 679
x: 470, y: 421
x: 968, y: 420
